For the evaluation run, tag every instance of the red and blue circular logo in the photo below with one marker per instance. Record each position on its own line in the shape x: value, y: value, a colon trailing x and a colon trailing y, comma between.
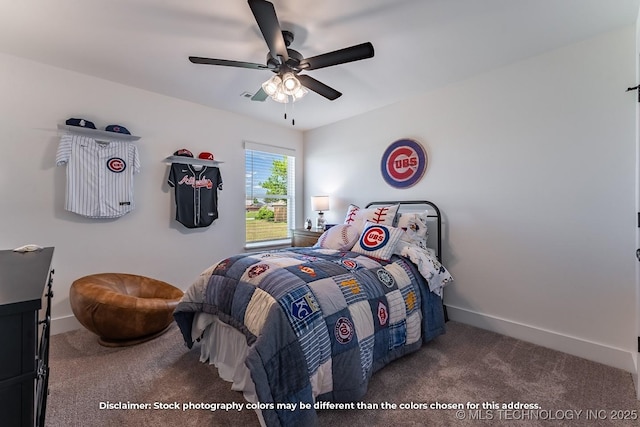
x: 403, y: 163
x: 383, y: 313
x: 374, y: 238
x: 116, y: 164
x: 257, y: 270
x: 343, y: 330
x: 350, y: 264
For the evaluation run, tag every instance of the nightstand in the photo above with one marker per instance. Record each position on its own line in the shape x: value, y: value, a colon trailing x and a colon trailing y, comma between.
x: 304, y: 237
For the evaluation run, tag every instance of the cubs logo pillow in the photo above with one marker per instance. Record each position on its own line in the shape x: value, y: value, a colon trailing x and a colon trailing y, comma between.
x: 341, y: 237
x: 378, y: 241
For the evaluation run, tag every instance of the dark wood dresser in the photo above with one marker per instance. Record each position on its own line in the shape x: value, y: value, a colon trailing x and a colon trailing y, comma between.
x: 25, y: 320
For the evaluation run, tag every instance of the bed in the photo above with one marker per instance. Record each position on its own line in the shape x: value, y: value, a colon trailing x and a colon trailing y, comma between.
x: 296, y: 327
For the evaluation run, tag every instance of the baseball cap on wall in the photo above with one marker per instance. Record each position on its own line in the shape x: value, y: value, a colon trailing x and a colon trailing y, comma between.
x: 80, y: 123
x: 117, y: 129
x: 206, y: 156
x: 183, y: 152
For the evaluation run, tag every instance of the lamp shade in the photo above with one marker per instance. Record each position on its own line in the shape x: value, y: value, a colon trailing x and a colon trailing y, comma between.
x: 299, y: 94
x: 319, y: 203
x: 280, y: 97
x: 290, y: 84
x: 271, y: 85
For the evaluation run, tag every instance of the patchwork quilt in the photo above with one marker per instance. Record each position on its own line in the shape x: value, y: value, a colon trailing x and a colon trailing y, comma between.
x: 319, y: 322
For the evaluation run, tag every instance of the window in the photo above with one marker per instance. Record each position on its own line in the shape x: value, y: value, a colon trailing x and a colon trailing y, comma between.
x: 270, y: 194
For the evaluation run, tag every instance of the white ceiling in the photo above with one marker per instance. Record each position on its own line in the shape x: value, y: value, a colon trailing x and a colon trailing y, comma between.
x: 419, y: 45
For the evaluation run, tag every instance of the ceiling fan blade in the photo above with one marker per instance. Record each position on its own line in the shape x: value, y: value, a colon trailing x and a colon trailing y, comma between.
x: 318, y: 87
x: 267, y: 20
x: 227, y: 63
x: 348, y: 54
x: 260, y: 95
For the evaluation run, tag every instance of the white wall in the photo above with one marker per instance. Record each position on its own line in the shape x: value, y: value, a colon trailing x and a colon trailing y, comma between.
x: 533, y: 166
x: 148, y: 241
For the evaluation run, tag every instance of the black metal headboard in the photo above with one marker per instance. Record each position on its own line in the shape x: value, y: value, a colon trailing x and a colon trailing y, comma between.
x: 435, y: 214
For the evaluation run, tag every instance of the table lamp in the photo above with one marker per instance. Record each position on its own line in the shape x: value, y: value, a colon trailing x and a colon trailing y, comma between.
x: 320, y: 203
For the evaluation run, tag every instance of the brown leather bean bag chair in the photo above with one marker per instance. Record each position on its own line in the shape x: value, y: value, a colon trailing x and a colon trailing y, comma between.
x: 123, y: 309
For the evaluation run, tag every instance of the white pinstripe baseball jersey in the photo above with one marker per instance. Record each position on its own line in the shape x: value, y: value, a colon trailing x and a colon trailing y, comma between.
x: 99, y: 175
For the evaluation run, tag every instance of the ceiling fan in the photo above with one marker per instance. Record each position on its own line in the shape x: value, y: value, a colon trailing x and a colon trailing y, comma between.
x: 287, y: 63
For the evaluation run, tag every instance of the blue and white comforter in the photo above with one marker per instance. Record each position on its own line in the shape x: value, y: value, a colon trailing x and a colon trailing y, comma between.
x: 319, y: 322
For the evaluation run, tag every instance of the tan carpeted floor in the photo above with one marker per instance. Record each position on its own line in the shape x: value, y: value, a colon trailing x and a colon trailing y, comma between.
x: 466, y: 366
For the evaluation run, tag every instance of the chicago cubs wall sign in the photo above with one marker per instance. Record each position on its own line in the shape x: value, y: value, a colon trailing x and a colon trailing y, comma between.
x: 403, y: 163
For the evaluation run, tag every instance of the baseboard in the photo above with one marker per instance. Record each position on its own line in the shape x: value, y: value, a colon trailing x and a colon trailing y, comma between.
x: 64, y: 324
x: 610, y: 356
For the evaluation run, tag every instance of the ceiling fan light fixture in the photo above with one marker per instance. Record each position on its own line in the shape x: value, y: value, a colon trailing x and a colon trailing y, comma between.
x: 290, y: 84
x: 271, y: 86
x: 280, y: 97
x: 286, y: 63
x: 299, y: 94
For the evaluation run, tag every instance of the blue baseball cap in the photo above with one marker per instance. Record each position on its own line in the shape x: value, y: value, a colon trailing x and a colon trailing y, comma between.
x: 117, y: 129
x: 80, y: 123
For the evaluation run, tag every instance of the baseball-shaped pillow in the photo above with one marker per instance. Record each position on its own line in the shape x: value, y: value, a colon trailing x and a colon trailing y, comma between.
x: 352, y: 211
x: 378, y: 214
x: 341, y: 237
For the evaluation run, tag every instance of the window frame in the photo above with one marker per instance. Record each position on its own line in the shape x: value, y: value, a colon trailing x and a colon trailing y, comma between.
x: 290, y: 154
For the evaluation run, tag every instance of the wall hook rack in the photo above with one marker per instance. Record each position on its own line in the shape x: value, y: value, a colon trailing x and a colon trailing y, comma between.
x: 102, y: 135
x: 191, y: 161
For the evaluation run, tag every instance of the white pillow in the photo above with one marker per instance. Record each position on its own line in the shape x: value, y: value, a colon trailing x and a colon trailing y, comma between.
x: 378, y: 241
x: 377, y: 215
x: 351, y: 214
x: 414, y: 227
x: 341, y: 237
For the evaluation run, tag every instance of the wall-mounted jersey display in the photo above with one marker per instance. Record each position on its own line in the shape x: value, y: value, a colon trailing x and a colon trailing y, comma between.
x: 196, y: 193
x: 99, y: 175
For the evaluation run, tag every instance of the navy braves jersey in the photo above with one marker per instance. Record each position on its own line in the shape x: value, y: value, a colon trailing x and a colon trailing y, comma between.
x: 99, y: 175
x: 196, y: 193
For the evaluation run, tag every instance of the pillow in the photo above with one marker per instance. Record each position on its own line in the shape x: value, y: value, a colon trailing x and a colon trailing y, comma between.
x: 378, y: 215
x: 378, y: 241
x: 340, y: 237
x: 414, y: 227
x: 351, y: 214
